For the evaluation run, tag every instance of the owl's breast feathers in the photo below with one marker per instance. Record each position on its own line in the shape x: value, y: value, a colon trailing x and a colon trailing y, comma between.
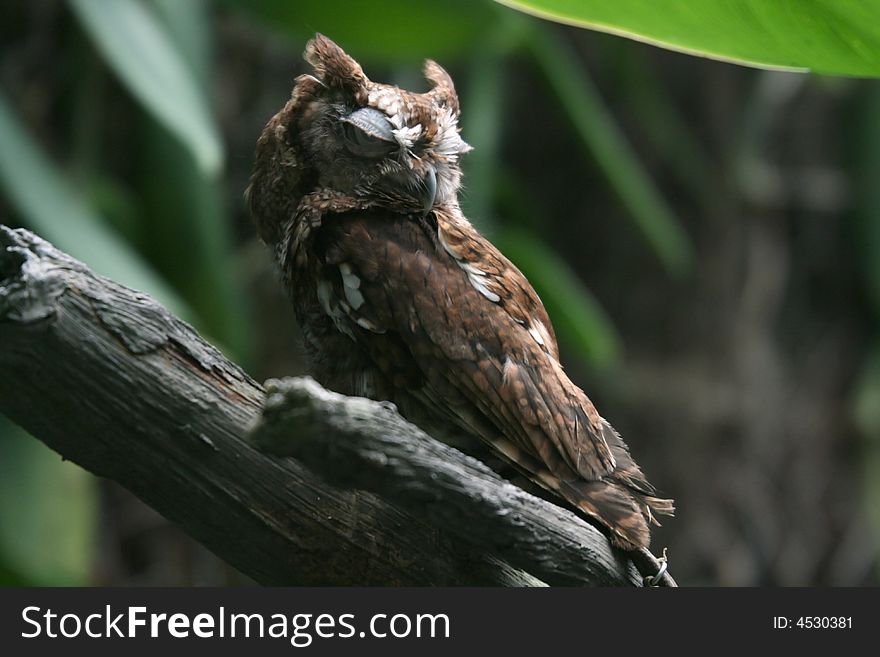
x: 445, y: 316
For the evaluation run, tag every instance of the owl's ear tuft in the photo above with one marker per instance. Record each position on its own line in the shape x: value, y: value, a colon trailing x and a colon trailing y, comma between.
x: 333, y: 66
x: 442, y: 87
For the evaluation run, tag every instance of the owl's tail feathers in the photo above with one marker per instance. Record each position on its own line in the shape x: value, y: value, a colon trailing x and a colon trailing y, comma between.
x: 623, y: 501
x: 626, y: 513
x: 658, y: 505
x: 614, y: 506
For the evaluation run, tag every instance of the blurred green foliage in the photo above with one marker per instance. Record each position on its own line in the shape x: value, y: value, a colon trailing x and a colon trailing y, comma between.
x: 381, y: 30
x: 866, y: 155
x: 49, y: 510
x: 141, y: 52
x: 169, y: 233
x: 582, y: 326
x: 52, y: 207
x: 603, y: 139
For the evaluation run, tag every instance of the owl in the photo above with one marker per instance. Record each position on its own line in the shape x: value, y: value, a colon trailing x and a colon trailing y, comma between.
x: 355, y: 189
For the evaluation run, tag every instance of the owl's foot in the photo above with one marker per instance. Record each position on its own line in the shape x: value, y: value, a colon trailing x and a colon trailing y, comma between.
x: 654, y: 571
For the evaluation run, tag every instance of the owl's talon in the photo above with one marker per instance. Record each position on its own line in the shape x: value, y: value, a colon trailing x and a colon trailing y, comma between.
x: 654, y: 580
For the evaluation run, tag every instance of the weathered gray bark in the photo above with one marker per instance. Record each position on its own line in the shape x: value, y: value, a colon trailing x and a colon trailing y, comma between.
x: 113, y: 382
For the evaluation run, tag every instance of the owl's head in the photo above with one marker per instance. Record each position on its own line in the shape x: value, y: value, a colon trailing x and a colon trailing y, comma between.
x: 343, y: 132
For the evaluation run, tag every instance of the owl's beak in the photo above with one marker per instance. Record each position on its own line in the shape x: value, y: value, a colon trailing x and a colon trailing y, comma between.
x: 430, y: 190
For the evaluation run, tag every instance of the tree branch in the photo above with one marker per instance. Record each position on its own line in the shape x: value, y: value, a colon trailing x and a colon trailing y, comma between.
x: 110, y: 380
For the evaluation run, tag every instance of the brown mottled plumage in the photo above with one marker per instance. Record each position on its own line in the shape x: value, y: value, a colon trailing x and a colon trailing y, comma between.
x: 399, y: 298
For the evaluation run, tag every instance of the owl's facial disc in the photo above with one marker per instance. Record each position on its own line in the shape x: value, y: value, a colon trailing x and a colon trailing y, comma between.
x: 369, y: 134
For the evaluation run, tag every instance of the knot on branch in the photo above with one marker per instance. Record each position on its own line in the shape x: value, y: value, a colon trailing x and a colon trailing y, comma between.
x: 29, y: 281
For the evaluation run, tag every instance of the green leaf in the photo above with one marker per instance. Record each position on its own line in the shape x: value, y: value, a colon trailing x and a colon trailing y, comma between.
x: 577, y: 317
x: 188, y: 25
x: 604, y: 140
x: 49, y: 206
x: 136, y: 47
x: 837, y: 37
x: 381, y: 29
x: 48, y: 513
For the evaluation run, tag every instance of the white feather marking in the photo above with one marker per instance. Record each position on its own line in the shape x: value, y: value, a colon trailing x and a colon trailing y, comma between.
x: 325, y: 293
x: 455, y: 254
x: 348, y: 278
x: 351, y: 287
x: 472, y: 270
x: 336, y: 310
x: 353, y: 296
x: 480, y: 284
x: 536, y: 335
x: 606, y: 424
x: 408, y: 136
x: 479, y: 280
x: 367, y: 324
x: 448, y: 141
x: 545, y: 333
x: 397, y: 121
x: 507, y: 371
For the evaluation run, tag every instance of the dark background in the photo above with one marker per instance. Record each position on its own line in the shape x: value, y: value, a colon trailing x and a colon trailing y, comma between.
x: 705, y: 236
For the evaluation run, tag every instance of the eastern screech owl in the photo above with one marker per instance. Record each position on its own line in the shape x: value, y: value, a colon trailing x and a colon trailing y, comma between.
x: 399, y: 298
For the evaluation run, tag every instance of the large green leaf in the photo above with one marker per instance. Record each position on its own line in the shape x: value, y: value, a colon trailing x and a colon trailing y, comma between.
x: 51, y: 207
x: 136, y: 47
x: 48, y: 513
x: 839, y: 37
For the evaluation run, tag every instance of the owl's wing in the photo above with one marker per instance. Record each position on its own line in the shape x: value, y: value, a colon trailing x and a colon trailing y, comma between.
x: 473, y: 346
x: 466, y: 333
